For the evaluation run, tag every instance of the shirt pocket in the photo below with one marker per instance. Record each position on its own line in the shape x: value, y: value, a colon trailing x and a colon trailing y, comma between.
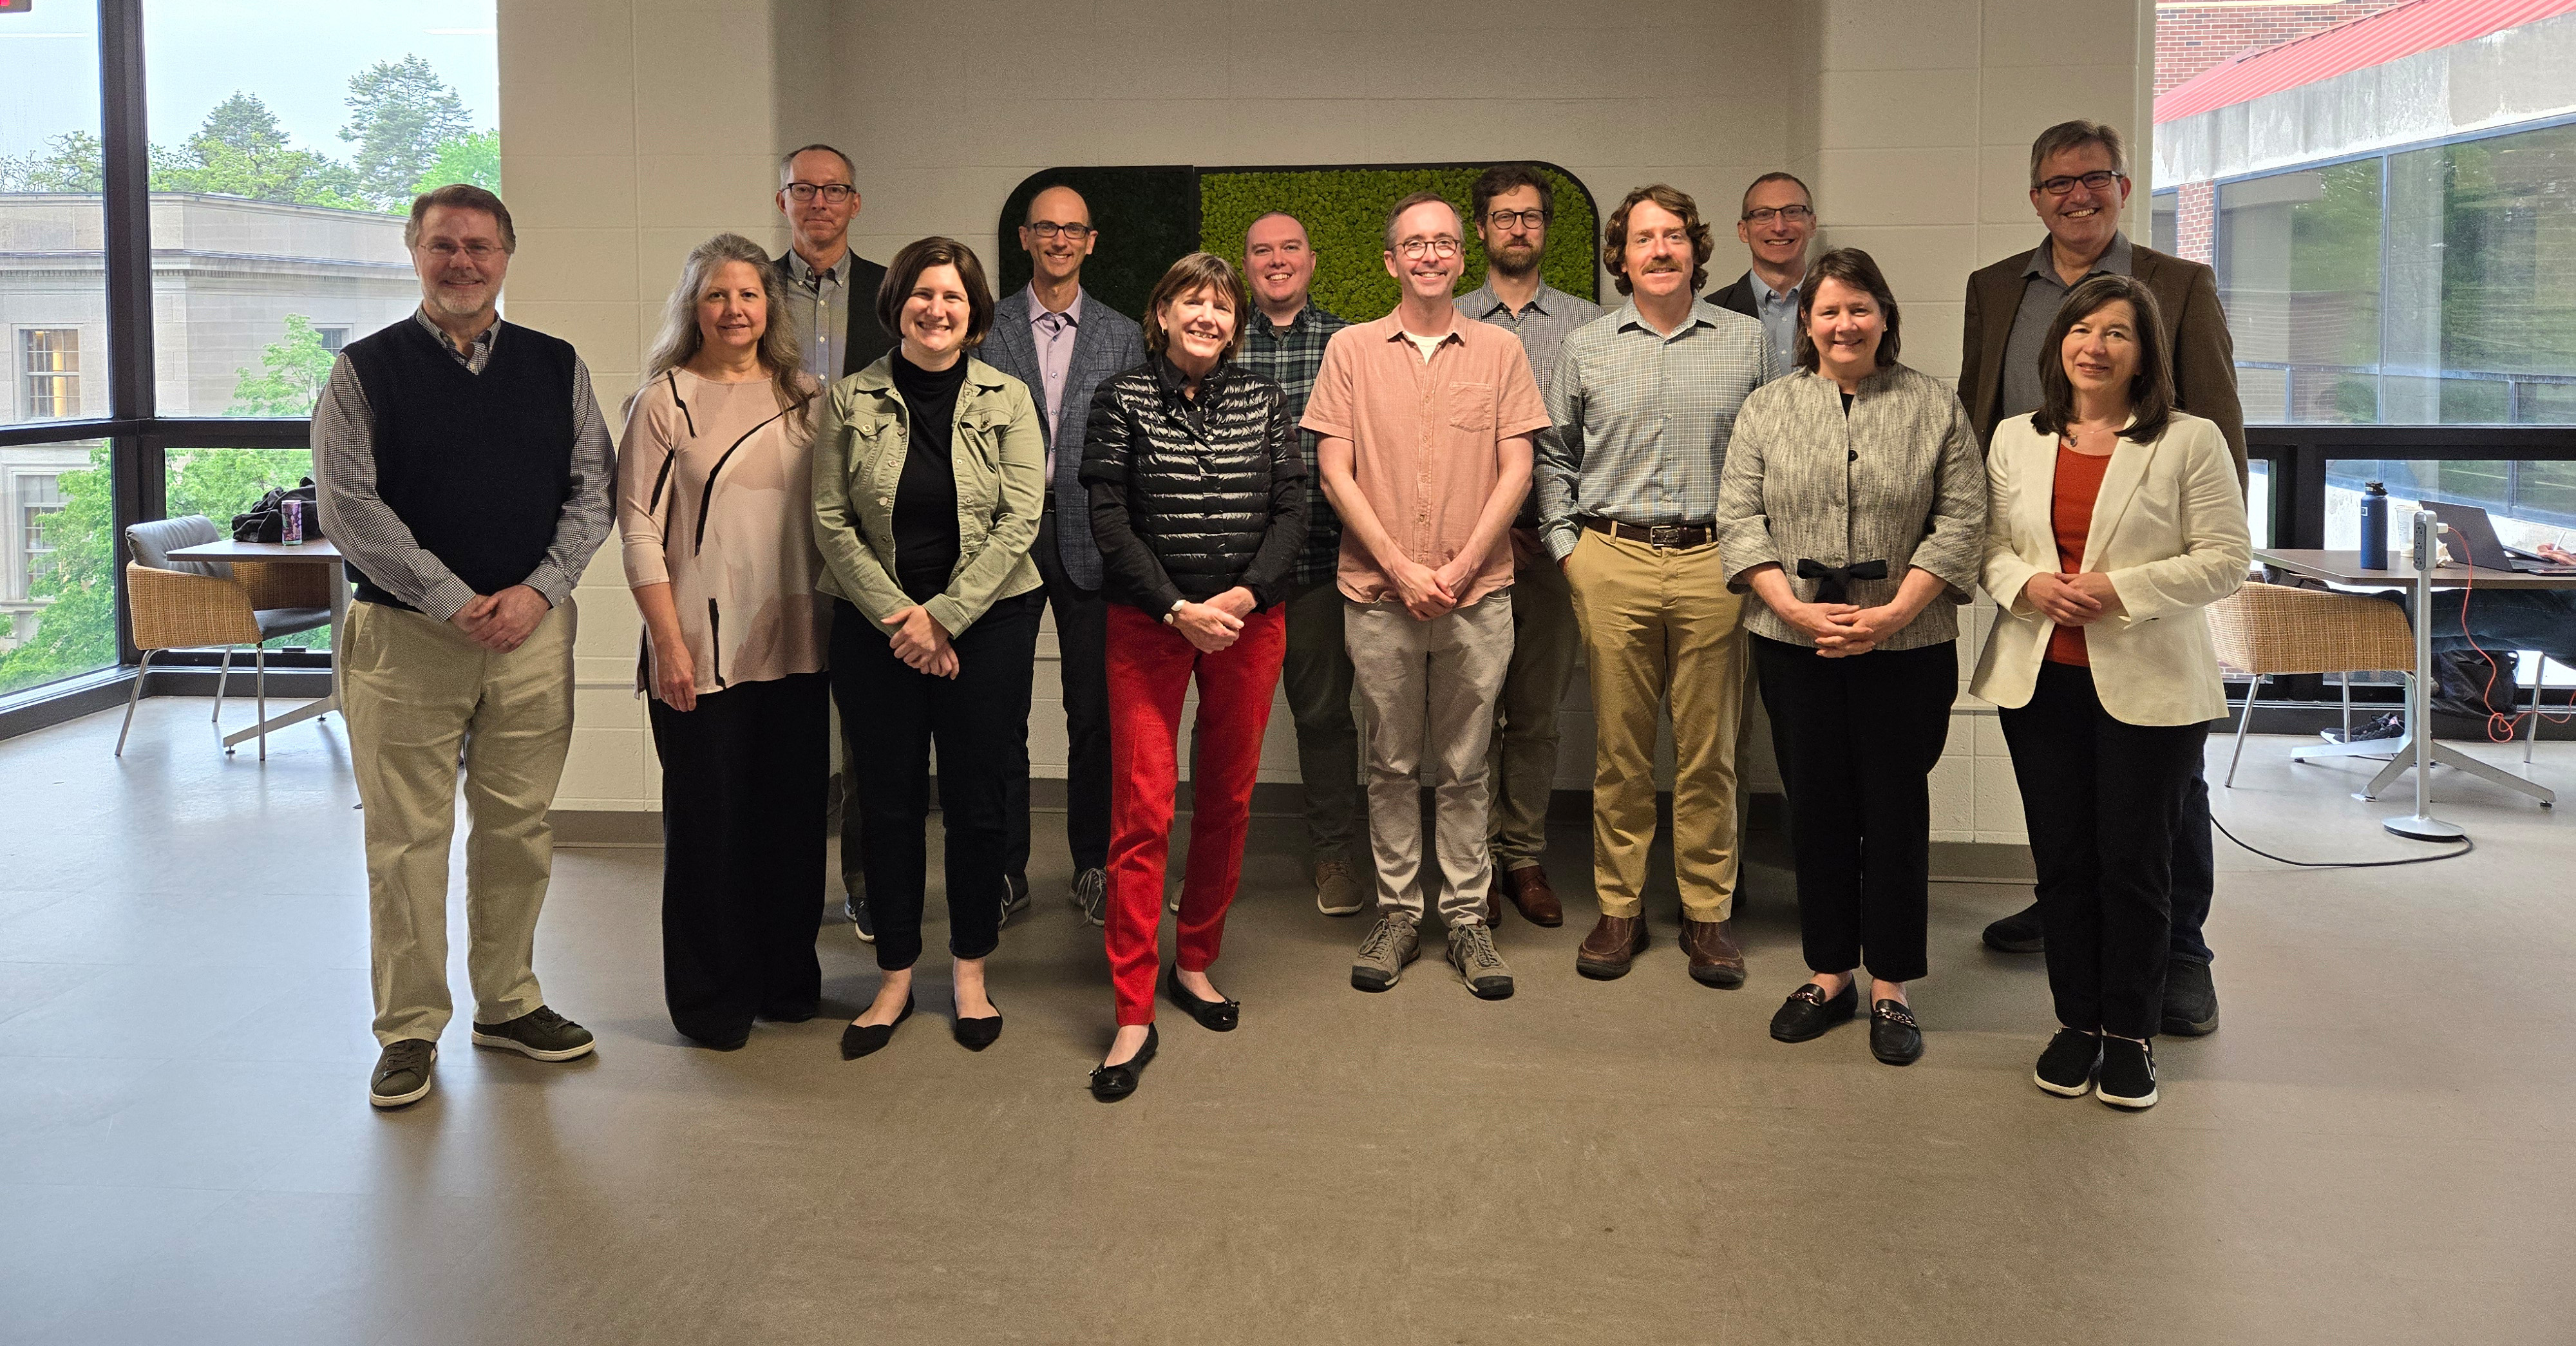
x: 1471, y: 406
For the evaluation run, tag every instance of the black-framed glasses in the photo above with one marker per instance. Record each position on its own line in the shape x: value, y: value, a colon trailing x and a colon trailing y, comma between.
x: 1049, y: 229
x: 834, y: 192
x: 1517, y: 219
x: 2099, y: 180
x: 1791, y: 214
x: 1415, y: 249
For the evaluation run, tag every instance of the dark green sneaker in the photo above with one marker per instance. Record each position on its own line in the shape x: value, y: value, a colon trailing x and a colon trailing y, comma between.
x: 402, y: 1073
x: 540, y: 1035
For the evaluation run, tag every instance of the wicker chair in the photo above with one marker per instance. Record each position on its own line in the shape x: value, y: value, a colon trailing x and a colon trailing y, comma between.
x: 2271, y: 628
x: 180, y: 605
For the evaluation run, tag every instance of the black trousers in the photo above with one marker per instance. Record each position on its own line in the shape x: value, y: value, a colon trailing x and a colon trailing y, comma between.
x: 890, y: 717
x: 744, y: 784
x: 1082, y: 669
x: 2102, y: 799
x: 2195, y: 868
x: 1860, y: 737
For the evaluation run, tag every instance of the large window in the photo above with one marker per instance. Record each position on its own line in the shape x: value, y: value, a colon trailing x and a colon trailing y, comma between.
x: 49, y: 362
x: 53, y: 280
x: 58, y: 608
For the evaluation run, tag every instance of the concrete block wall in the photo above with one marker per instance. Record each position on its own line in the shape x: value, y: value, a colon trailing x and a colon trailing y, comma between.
x: 631, y: 129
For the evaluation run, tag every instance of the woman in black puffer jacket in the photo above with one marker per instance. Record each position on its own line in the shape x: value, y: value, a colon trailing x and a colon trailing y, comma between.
x: 1198, y: 506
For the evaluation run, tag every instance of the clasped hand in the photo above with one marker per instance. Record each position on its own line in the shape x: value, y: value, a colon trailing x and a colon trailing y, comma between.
x: 1429, y: 593
x: 2072, y: 600
x: 1217, y: 623
x: 1842, y: 630
x: 921, y: 643
x: 502, y: 622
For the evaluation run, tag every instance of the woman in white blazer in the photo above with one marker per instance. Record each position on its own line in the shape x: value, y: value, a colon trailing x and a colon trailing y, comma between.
x: 2113, y: 520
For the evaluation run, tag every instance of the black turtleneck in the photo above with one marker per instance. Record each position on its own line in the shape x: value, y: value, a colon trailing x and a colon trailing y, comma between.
x: 925, y: 497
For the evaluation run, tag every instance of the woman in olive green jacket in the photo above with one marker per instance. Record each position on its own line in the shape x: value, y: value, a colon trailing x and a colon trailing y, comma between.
x: 929, y: 475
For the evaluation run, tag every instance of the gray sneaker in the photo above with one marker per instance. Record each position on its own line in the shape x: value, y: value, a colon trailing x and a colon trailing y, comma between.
x: 1091, y: 893
x: 402, y: 1073
x: 1393, y: 942
x: 539, y: 1035
x: 1337, y: 889
x: 1471, y: 951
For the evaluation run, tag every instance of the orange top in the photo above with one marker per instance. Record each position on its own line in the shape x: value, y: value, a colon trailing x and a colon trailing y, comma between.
x: 2070, y: 512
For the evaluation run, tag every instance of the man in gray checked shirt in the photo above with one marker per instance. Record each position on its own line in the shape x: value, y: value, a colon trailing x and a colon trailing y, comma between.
x: 465, y: 475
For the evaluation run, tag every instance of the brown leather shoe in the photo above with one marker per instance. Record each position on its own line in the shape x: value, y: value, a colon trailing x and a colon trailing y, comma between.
x: 1714, y: 959
x: 1606, y: 951
x: 1531, y: 894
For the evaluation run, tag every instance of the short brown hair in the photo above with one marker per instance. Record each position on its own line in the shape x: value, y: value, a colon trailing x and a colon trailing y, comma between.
x: 1614, y: 234
x: 1196, y: 272
x: 460, y: 196
x: 1422, y: 199
x: 1860, y: 271
x: 905, y: 271
x: 2151, y: 394
x: 787, y: 162
x: 1756, y: 185
x: 1503, y: 178
x: 2075, y: 135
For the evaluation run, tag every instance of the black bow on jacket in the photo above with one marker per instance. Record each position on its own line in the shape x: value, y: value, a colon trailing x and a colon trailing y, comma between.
x: 1832, y: 579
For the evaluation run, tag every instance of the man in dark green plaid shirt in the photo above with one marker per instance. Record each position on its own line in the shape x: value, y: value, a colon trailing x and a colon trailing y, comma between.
x: 1285, y: 342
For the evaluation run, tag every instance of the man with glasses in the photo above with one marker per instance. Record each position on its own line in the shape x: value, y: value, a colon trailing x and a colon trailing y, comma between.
x: 831, y: 297
x: 1424, y: 425
x: 2079, y: 181
x: 1776, y: 221
x: 1512, y: 205
x: 1284, y: 341
x: 1063, y: 344
x: 1642, y: 405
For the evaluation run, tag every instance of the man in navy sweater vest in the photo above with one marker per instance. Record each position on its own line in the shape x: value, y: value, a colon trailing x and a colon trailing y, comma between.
x: 465, y: 474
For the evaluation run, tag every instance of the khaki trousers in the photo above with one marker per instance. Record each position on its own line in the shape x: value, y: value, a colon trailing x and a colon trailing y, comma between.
x: 1429, y: 689
x: 1660, y: 624
x: 1544, y: 637
x: 417, y: 693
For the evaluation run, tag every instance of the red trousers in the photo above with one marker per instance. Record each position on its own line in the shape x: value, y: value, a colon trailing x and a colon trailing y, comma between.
x: 1150, y: 666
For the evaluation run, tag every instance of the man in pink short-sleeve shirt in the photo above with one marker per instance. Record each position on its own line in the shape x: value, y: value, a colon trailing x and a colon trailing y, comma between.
x: 1424, y: 426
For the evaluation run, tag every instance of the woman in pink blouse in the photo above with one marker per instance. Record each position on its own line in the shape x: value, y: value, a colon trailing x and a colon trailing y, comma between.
x: 713, y: 503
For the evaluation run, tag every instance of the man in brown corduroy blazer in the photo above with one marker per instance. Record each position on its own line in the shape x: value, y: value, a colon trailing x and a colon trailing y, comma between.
x: 2078, y: 184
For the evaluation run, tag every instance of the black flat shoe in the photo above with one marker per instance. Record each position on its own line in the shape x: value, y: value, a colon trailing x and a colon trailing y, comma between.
x: 1807, y: 1013
x: 1112, y: 1083
x: 1217, y: 1016
x: 977, y: 1034
x: 859, y: 1040
x: 1894, y: 1036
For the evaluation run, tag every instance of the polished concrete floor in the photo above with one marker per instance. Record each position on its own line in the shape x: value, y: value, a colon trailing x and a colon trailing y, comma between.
x: 2374, y: 1148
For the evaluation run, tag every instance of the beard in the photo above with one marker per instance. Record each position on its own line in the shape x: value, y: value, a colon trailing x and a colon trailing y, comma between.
x: 1513, y: 262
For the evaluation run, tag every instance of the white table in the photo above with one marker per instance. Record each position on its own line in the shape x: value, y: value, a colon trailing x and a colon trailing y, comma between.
x: 319, y: 551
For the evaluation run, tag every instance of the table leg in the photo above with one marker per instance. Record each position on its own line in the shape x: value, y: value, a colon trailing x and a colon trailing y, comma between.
x: 2421, y: 825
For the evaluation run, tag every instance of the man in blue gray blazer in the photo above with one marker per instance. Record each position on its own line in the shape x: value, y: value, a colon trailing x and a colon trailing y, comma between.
x: 1064, y: 344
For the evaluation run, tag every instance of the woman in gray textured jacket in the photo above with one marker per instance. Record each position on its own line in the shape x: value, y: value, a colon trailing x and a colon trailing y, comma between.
x: 1853, y: 504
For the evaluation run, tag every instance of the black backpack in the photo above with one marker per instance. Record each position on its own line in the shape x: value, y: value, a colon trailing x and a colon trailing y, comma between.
x: 266, y: 521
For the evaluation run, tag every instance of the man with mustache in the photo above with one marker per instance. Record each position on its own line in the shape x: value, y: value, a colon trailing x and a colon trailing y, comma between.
x: 1643, y: 402
x: 1063, y: 344
x: 1776, y: 221
x: 1513, y: 205
x: 2078, y: 182
x: 831, y: 296
x: 1424, y: 425
x: 1284, y: 341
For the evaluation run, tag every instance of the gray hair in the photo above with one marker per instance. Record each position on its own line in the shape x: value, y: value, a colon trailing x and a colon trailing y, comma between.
x: 679, y: 340
x: 787, y: 164
x: 2075, y: 135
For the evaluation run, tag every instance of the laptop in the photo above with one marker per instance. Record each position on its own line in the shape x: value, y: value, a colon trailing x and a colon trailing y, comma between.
x: 2477, y: 534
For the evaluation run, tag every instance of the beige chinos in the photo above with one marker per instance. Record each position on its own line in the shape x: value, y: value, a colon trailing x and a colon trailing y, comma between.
x: 419, y: 693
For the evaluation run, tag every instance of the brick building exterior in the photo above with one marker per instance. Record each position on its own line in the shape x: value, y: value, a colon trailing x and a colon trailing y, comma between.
x: 2193, y: 35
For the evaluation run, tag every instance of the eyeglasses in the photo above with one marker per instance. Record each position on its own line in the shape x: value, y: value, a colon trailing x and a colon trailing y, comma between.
x: 1790, y: 214
x: 2099, y: 180
x: 446, y: 251
x: 1049, y: 229
x: 834, y: 192
x: 1416, y: 249
x: 1517, y: 219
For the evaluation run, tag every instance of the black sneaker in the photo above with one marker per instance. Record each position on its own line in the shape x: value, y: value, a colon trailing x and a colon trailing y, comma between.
x: 2191, y: 999
x: 861, y: 924
x: 2391, y: 725
x: 2020, y: 932
x: 1015, y: 897
x: 2066, y: 1068
x: 1091, y: 893
x: 2127, y: 1078
x: 402, y: 1073
x: 539, y: 1035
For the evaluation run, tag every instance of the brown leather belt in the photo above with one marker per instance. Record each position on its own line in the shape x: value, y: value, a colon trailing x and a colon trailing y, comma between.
x: 1666, y: 536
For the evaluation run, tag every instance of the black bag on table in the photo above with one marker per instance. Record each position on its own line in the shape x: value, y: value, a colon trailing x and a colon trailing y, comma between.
x: 266, y: 521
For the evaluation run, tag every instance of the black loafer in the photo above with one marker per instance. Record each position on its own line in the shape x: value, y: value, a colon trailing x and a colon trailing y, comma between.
x: 1894, y: 1037
x: 2020, y: 932
x: 977, y: 1034
x: 1112, y: 1083
x: 1807, y: 1013
x: 859, y: 1040
x: 1217, y: 1016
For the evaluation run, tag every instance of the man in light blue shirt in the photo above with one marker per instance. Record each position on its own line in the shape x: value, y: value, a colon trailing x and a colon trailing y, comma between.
x: 1776, y: 222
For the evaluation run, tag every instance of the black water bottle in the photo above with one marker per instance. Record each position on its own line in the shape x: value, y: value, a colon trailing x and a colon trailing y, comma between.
x: 2374, y: 527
